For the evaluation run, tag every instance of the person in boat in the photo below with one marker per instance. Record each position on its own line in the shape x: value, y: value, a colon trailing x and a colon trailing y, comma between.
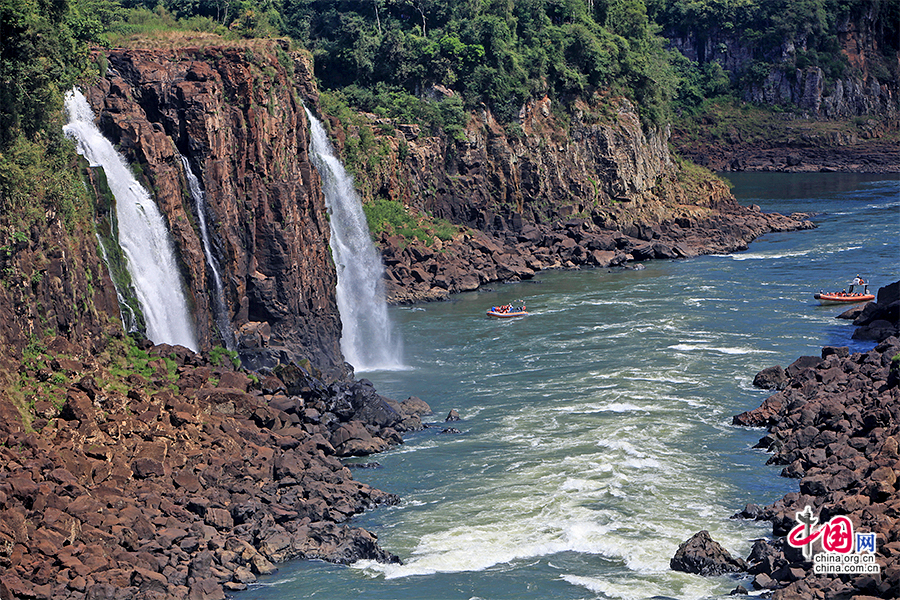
x: 858, y: 281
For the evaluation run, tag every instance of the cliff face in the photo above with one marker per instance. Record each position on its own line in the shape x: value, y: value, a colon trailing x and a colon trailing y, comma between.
x: 594, y: 191
x: 236, y: 115
x: 52, y: 280
x: 542, y: 169
x: 868, y: 91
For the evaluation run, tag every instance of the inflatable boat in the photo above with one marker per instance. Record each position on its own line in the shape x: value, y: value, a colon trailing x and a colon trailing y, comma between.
x: 497, y: 311
x: 842, y: 297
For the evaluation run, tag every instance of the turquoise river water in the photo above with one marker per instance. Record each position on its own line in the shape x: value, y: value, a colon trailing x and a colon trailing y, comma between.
x: 596, y: 432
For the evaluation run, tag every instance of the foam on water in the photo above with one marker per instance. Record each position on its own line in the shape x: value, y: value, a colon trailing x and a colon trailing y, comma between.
x: 723, y: 350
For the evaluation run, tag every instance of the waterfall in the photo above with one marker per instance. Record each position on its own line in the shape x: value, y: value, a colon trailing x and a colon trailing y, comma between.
x: 143, y: 234
x: 368, y: 341
x: 131, y: 321
x: 220, y: 308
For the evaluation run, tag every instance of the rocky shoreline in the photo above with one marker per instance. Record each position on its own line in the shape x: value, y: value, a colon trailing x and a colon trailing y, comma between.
x: 868, y: 157
x: 835, y: 424
x: 516, y: 250
x: 188, y: 483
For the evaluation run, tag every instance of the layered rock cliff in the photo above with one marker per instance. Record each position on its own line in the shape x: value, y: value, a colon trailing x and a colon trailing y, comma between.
x: 867, y: 87
x: 237, y: 115
x: 545, y: 192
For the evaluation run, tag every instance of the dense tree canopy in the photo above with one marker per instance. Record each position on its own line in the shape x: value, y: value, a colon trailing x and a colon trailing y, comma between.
x: 389, y: 56
x: 495, y: 51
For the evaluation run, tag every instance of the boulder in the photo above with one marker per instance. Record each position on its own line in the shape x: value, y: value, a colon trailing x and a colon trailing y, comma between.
x: 702, y: 555
x: 415, y: 406
x: 766, y: 414
x: 771, y: 378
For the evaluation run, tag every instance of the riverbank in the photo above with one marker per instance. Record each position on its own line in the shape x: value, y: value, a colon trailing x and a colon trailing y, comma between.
x: 729, y: 137
x: 799, y: 157
x: 416, y: 272
x: 835, y: 425
x: 181, y: 476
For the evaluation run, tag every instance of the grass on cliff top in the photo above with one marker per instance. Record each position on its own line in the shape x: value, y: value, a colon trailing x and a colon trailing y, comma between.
x: 160, y: 29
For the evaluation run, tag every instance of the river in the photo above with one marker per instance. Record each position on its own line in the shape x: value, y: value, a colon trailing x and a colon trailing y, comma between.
x: 596, y: 433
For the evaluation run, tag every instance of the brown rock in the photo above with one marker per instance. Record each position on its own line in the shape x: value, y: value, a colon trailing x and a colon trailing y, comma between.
x: 149, y: 581
x: 147, y: 467
x: 219, y: 518
x: 78, y: 407
x: 702, y: 555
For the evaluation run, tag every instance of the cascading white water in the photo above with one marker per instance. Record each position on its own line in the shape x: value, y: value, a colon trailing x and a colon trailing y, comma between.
x: 368, y: 340
x: 143, y: 234
x: 126, y: 313
x: 220, y: 307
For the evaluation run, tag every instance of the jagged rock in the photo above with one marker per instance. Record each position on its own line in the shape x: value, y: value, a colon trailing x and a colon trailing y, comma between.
x: 415, y: 406
x: 761, y: 416
x: 771, y: 378
x: 702, y: 555
x: 168, y: 495
x: 352, y: 439
x: 835, y: 425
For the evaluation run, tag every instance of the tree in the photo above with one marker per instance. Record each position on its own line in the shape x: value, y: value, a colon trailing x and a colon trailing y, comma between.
x: 39, y: 58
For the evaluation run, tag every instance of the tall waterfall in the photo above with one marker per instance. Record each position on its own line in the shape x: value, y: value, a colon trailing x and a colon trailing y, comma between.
x: 368, y: 340
x: 220, y: 308
x: 143, y: 234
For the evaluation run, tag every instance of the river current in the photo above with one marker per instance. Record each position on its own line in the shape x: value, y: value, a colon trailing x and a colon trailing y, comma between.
x: 596, y: 433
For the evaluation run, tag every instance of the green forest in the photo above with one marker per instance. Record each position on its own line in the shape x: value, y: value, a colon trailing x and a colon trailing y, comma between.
x: 388, y: 56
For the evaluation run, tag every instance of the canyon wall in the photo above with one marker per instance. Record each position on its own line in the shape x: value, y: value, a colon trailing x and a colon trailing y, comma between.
x: 537, y: 169
x: 549, y: 190
x: 868, y: 89
x: 52, y: 279
x: 237, y: 115
x: 595, y: 189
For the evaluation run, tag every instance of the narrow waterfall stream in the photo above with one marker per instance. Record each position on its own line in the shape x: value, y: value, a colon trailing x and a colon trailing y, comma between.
x: 220, y: 308
x: 143, y: 234
x: 368, y: 340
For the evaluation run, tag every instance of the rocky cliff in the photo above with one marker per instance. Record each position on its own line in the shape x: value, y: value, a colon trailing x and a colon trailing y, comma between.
x: 546, y: 191
x: 236, y: 113
x: 866, y: 89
